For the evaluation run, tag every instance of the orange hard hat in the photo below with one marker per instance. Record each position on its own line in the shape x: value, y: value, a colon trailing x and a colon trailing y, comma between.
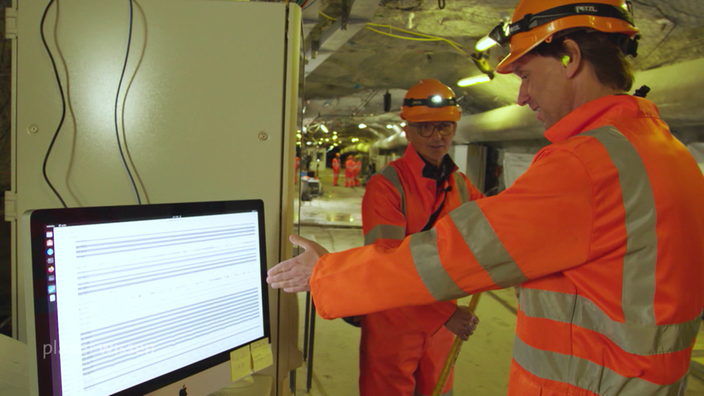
x: 429, y: 101
x: 536, y: 21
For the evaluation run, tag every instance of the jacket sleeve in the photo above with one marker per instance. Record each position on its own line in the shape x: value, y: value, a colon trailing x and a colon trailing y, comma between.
x: 540, y: 226
x: 383, y: 220
x: 474, y: 193
x: 384, y: 223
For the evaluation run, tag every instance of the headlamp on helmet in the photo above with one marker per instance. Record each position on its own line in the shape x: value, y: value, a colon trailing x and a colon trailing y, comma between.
x: 434, y: 101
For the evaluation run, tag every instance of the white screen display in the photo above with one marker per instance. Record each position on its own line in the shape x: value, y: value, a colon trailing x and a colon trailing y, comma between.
x: 139, y: 299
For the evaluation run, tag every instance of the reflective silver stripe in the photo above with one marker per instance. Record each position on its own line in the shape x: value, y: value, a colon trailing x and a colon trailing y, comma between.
x: 588, y: 375
x: 633, y: 338
x: 424, y: 250
x: 390, y: 173
x: 486, y: 246
x: 385, y: 231
x: 638, y: 292
x: 461, y: 187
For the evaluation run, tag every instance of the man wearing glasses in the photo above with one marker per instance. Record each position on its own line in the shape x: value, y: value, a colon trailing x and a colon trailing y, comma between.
x: 403, y: 350
x: 603, y: 232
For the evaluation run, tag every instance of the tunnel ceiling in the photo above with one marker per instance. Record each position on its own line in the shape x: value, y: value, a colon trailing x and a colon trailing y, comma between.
x: 348, y: 87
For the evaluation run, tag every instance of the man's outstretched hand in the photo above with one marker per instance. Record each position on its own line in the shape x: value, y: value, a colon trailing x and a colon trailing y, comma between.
x: 293, y: 275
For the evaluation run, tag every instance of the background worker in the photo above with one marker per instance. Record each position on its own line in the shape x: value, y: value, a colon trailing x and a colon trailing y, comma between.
x: 604, y: 231
x: 335, y: 168
x: 349, y: 171
x: 357, y: 170
x: 403, y: 350
x: 296, y: 165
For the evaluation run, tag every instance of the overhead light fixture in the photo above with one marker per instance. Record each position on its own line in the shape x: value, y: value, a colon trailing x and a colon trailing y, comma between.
x: 482, y: 78
x: 403, y: 124
x: 485, y: 43
x: 334, y: 132
x: 308, y: 143
x: 324, y: 128
x: 362, y: 126
x: 334, y: 137
x: 389, y: 126
x: 298, y: 135
x: 327, y: 140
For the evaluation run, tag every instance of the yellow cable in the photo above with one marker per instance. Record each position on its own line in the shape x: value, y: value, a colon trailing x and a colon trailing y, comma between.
x: 415, y: 33
x: 402, y: 37
x: 426, y: 37
x: 327, y: 16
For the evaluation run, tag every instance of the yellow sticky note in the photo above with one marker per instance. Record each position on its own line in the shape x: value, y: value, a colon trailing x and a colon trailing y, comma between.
x: 240, y: 363
x: 261, y: 354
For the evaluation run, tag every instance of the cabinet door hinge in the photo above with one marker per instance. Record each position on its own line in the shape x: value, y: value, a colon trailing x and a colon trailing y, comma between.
x: 10, y: 206
x: 10, y: 23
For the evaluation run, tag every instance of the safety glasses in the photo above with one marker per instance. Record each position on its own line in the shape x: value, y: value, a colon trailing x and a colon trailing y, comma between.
x: 427, y: 129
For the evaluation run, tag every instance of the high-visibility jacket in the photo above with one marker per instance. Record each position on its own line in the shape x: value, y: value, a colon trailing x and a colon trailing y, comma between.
x: 398, y: 202
x: 336, y: 165
x: 605, y: 234
x: 349, y: 165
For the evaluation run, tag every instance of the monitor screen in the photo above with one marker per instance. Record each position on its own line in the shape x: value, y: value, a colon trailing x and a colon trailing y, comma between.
x: 131, y: 298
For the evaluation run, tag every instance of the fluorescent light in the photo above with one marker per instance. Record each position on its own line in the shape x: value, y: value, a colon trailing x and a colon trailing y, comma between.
x: 389, y: 126
x: 484, y: 44
x: 298, y: 135
x: 308, y: 143
x: 465, y: 82
x: 362, y: 126
x: 324, y: 128
x: 334, y: 137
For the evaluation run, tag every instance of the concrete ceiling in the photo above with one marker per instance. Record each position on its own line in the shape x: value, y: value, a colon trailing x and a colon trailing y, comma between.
x: 347, y: 85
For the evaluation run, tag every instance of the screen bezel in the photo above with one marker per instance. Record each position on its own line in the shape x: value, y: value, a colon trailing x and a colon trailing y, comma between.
x: 43, y: 310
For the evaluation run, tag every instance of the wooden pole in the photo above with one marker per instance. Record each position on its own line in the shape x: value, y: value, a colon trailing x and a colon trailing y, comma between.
x: 454, y: 352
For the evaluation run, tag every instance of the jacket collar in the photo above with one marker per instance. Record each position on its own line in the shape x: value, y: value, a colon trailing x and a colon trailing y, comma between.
x: 607, y: 110
x: 420, y: 166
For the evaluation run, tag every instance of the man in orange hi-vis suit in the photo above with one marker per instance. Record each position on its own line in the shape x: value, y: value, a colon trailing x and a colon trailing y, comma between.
x: 357, y: 170
x: 603, y: 233
x: 335, y: 169
x: 403, y: 350
x: 349, y: 171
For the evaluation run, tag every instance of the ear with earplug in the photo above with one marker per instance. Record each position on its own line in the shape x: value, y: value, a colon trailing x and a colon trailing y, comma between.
x: 566, y: 60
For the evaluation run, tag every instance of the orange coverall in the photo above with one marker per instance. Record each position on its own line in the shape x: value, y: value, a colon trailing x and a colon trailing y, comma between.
x: 349, y: 172
x: 604, y: 233
x: 335, y: 170
x: 404, y: 349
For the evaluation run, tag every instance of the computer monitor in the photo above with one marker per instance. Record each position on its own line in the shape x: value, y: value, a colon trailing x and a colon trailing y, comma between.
x: 129, y: 299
